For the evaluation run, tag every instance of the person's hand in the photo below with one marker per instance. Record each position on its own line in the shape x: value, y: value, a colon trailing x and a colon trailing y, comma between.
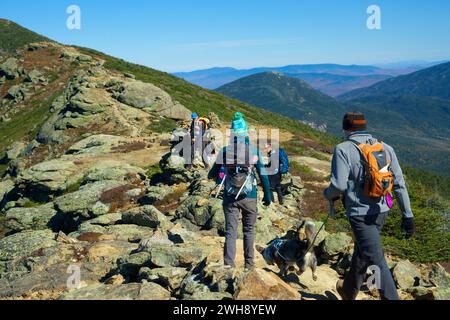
x: 266, y: 202
x: 408, y: 227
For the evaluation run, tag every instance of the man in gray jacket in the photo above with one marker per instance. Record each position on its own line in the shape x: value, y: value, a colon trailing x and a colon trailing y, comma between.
x: 366, y: 215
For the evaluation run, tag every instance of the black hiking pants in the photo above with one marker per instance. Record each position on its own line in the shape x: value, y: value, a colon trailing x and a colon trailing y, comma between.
x: 275, y: 184
x: 232, y: 210
x: 369, y: 252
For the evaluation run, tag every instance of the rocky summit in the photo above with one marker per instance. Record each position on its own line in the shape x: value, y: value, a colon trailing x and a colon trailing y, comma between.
x: 94, y: 205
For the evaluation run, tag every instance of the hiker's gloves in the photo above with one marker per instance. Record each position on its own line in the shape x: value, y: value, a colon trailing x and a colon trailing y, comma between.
x: 408, y: 227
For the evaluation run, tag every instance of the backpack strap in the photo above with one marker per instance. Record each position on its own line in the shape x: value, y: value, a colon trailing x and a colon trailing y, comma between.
x: 356, y: 144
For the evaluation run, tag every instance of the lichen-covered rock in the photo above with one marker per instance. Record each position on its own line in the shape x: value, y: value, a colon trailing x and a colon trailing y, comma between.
x: 24, y: 243
x: 155, y: 193
x: 335, y: 245
x: 14, y: 151
x: 406, y: 274
x: 37, y: 218
x: 150, y: 98
x: 130, y: 291
x: 6, y: 187
x: 176, y: 255
x: 147, y: 216
x: 17, y: 93
x: 113, y: 170
x: 35, y: 77
x: 49, y: 177
x: 10, y: 69
x: 438, y: 276
x: 86, y: 201
x: 96, y: 144
x: 259, y: 284
x: 178, y: 234
x: 168, y: 277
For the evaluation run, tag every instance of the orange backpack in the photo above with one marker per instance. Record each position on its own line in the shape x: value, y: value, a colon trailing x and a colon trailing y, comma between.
x: 378, y: 179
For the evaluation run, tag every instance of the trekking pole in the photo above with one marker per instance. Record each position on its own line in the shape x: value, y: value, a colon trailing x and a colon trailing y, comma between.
x: 220, y: 186
x: 331, y: 210
x: 242, y: 188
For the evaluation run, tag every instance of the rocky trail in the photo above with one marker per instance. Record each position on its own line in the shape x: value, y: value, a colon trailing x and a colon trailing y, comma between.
x: 94, y: 205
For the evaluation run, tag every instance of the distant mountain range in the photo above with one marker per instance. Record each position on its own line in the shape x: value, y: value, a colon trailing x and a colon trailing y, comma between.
x: 412, y: 112
x: 289, y: 96
x: 331, y: 79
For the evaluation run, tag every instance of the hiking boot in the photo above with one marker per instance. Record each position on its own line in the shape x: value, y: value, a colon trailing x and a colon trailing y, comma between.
x: 340, y: 290
x: 249, y: 267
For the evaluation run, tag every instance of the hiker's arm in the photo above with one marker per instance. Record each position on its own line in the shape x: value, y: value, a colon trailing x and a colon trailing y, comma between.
x: 264, y: 180
x: 214, y: 172
x: 340, y: 171
x: 400, y: 190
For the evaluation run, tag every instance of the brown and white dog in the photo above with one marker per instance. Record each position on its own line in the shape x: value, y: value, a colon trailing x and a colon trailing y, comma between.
x: 288, y: 254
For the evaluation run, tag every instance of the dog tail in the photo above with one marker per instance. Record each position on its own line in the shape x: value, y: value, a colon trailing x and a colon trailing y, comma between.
x: 310, y: 233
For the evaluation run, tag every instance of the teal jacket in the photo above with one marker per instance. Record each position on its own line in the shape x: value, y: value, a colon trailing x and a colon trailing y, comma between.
x: 214, y: 172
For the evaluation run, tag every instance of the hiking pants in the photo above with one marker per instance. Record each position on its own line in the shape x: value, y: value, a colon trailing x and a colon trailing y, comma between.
x: 232, y: 210
x: 275, y: 184
x: 369, y: 252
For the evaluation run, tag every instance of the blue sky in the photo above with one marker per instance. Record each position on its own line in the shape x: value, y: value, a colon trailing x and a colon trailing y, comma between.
x: 177, y: 35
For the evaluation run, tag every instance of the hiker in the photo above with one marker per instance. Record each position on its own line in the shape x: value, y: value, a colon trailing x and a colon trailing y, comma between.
x: 365, y: 171
x: 198, y: 130
x: 240, y: 160
x: 275, y: 174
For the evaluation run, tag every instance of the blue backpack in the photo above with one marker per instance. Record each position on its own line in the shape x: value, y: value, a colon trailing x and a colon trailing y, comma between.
x: 284, y: 162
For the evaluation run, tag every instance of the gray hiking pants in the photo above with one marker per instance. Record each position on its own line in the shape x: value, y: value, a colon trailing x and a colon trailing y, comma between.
x: 369, y: 252
x: 232, y: 210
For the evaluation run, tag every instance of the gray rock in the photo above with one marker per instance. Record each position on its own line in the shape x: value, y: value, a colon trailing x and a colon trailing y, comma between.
x: 6, y: 187
x: 17, y: 93
x: 438, y: 276
x: 335, y: 245
x: 155, y: 193
x: 86, y: 201
x: 178, y: 234
x: 406, y: 274
x: 147, y: 216
x: 35, y: 77
x: 113, y: 170
x: 96, y: 144
x: 169, y: 277
x: 152, y: 99
x: 10, y: 69
x: 14, y: 151
x: 175, y: 255
x: 38, y: 218
x: 24, y: 243
x: 49, y: 177
x: 130, y: 266
x: 130, y: 291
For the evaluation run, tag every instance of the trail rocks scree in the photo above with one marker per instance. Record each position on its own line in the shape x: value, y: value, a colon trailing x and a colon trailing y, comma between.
x: 91, y: 182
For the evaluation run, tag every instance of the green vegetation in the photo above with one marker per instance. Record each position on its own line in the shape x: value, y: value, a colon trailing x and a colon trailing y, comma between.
x: 163, y: 125
x: 26, y: 123
x: 32, y: 204
x: 203, y: 101
x: 13, y: 36
x: 431, y: 207
x: 296, y: 168
x: 74, y: 186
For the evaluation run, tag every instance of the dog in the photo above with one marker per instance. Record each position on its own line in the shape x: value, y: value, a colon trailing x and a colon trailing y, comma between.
x: 290, y: 253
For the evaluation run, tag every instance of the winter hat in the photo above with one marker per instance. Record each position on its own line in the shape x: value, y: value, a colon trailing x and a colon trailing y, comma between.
x: 239, y: 126
x: 354, y: 121
x: 194, y: 116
